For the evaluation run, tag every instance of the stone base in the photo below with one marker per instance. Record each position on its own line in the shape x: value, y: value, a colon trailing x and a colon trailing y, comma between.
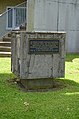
x: 37, y: 84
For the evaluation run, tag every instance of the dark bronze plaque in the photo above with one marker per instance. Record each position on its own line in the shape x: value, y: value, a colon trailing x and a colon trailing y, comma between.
x: 43, y: 46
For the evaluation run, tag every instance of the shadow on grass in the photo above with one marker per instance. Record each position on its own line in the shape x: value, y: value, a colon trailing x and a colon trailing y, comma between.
x: 70, y: 57
x: 58, y: 83
x: 68, y: 82
x: 6, y: 75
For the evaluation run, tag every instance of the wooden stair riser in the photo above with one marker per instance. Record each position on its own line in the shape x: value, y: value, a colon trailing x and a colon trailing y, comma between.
x: 5, y: 49
x: 7, y: 39
x: 5, y: 55
x: 7, y: 44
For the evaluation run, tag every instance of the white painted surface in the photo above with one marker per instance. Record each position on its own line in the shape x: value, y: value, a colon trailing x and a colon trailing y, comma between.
x: 44, y: 12
x: 61, y: 15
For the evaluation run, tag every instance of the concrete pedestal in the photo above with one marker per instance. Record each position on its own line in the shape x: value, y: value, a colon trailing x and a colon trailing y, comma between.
x: 38, y: 84
x: 37, y: 57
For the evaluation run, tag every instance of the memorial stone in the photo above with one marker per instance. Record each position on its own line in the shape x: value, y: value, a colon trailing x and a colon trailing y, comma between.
x: 38, y: 57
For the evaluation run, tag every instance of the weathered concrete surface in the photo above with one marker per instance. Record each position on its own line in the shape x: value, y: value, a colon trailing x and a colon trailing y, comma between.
x: 38, y: 84
x: 32, y: 66
x: 56, y: 15
x: 30, y: 15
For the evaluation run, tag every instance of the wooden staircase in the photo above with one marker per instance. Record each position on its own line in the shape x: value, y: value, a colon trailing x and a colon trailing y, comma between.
x: 5, y: 46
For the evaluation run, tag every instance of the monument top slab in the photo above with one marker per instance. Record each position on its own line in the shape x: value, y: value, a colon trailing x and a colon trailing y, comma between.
x: 63, y: 32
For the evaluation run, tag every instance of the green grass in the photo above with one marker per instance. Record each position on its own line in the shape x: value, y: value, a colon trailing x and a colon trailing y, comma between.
x: 59, y: 104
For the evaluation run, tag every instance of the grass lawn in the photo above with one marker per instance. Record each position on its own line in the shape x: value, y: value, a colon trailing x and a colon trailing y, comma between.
x: 59, y: 104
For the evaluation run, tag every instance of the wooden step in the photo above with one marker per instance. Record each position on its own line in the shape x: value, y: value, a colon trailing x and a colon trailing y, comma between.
x: 5, y: 54
x: 7, y: 44
x: 7, y: 39
x: 5, y: 49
